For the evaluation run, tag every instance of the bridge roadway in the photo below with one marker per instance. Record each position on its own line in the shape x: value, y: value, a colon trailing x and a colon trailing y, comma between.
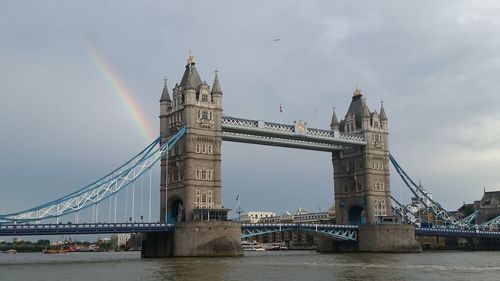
x: 83, y: 228
x: 339, y: 232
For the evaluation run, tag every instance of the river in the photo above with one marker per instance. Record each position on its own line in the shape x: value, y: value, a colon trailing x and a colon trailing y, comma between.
x: 280, y: 265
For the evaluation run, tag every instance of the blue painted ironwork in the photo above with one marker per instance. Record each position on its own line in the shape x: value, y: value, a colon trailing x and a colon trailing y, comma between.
x: 431, y: 205
x: 99, y: 190
x: 491, y: 223
x: 274, y: 134
x: 338, y: 232
x: 472, y: 217
x: 83, y: 228
x: 464, y: 233
x: 404, y: 214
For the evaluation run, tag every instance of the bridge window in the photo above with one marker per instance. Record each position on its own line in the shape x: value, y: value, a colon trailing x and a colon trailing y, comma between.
x: 204, y: 115
x: 379, y: 207
x: 204, y: 97
x: 378, y: 165
x: 203, y: 199
x: 378, y: 186
x: 204, y: 148
x: 204, y: 174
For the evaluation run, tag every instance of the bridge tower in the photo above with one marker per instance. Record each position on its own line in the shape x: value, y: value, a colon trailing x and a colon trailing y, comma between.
x: 192, y: 179
x: 361, y: 174
x: 362, y: 186
x: 190, y: 185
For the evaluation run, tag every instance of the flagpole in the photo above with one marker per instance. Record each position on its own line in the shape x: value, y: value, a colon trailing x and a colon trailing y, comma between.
x: 239, y: 209
x: 281, y: 113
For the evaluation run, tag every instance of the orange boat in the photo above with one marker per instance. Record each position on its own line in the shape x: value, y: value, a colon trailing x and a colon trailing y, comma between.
x: 55, y: 251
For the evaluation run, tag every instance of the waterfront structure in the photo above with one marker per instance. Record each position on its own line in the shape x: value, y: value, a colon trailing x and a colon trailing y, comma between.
x: 118, y: 240
x: 489, y: 208
x: 255, y: 217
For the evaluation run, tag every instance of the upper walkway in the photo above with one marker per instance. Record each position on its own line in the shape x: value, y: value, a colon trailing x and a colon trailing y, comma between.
x: 293, y: 136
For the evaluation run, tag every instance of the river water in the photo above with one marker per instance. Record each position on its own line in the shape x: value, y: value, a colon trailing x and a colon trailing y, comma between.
x: 280, y: 265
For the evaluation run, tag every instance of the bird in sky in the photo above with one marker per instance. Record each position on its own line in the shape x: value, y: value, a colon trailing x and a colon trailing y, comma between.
x: 276, y: 40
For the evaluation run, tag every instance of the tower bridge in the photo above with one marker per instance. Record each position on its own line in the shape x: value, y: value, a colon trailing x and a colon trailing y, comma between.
x: 193, y: 221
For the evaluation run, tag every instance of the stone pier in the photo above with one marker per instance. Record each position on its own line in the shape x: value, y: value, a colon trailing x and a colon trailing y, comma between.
x: 195, y: 239
x: 383, y: 238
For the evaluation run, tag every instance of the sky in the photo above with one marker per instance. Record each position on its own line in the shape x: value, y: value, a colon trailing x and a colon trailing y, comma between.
x: 80, y: 83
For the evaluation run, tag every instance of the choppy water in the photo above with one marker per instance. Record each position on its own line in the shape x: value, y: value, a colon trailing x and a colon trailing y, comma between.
x: 283, y: 265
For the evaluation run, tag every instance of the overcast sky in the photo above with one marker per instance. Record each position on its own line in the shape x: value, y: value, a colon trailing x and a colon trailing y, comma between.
x: 436, y: 65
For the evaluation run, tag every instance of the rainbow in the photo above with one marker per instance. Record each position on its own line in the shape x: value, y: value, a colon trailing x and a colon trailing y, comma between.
x: 120, y: 89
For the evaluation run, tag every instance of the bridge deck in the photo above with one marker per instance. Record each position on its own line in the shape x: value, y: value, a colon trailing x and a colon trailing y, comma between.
x: 82, y: 228
x: 342, y: 232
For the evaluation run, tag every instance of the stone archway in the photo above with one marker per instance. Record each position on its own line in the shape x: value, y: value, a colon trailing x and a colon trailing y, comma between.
x: 177, y: 211
x: 356, y: 215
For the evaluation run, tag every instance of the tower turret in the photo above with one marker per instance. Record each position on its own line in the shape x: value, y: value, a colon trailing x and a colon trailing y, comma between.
x: 334, y: 125
x: 165, y: 101
x: 216, y: 90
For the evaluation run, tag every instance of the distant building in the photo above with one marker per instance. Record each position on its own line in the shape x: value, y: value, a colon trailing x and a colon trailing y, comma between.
x: 303, y: 216
x: 294, y: 240
x: 255, y: 217
x: 489, y: 207
x: 118, y: 240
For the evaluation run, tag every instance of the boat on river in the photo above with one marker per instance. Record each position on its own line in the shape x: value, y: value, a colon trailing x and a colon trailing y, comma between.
x: 55, y: 251
x: 251, y: 246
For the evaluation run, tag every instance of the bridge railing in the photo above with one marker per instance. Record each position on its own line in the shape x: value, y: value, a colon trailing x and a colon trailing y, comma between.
x: 228, y: 121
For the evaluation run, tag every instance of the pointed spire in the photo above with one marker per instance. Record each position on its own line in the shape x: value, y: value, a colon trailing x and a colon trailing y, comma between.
x: 191, y: 79
x: 335, y: 122
x: 165, y: 96
x: 216, y: 86
x: 382, y: 111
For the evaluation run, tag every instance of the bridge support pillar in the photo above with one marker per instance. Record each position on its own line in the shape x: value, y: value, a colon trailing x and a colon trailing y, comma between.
x: 157, y: 245
x: 395, y: 238
x: 385, y: 238
x: 195, y: 239
x: 207, y: 239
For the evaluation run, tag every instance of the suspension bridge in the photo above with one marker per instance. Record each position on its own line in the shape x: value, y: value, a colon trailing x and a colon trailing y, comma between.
x: 105, y: 192
x: 188, y: 151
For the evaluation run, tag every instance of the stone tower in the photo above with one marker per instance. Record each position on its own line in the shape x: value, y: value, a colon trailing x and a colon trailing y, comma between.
x: 191, y: 180
x: 361, y: 174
